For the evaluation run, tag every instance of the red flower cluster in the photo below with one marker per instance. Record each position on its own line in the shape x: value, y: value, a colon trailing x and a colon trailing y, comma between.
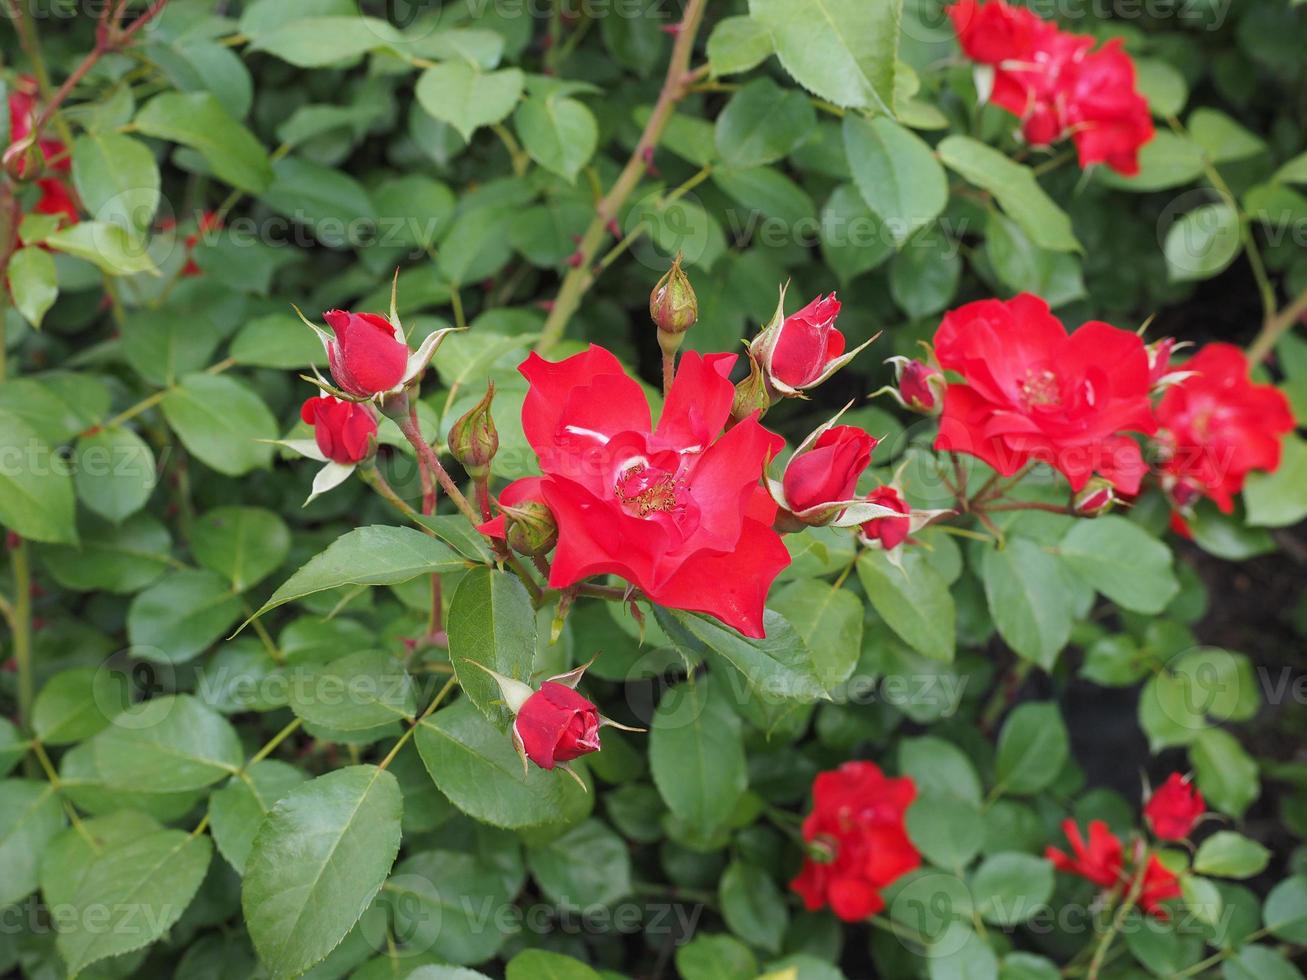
x: 1217, y: 427
x: 676, y: 509
x: 57, y: 197
x: 1174, y: 809
x: 1031, y: 391
x: 1056, y: 84
x: 858, y: 844
x: 1100, y: 860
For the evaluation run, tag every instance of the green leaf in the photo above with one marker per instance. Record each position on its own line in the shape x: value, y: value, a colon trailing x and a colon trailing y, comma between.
x: 320, y: 857
x: 1223, y: 139
x: 114, y: 558
x: 696, y: 756
x: 1285, y: 912
x: 1121, y: 560
x: 558, y: 133
x: 1259, y: 963
x: 1014, y: 188
x: 1226, y: 774
x: 539, y: 964
x: 1167, y: 160
x: 473, y: 763
x: 242, y: 544
x: 237, y: 810
x: 221, y: 422
x: 491, y: 624
x: 1033, y: 746
x: 12, y: 747
x: 1008, y: 888
x: 457, y: 93
x: 913, y: 600
x: 753, y: 906
x: 1293, y: 172
x: 924, y: 275
x: 853, y: 238
x: 602, y: 878
x: 33, y: 283
x: 1162, y: 85
x: 36, y: 495
x: 844, y: 51
x: 114, y: 472
x: 277, y: 340
x: 75, y: 704
x: 117, y: 179
x: 315, y: 42
x: 768, y: 192
x: 198, y: 120
x: 1230, y: 855
x: 373, y: 555
x: 1279, y: 499
x: 329, y: 201
x: 69, y: 857
x: 762, y: 123
x: 713, y: 957
x: 30, y: 816
x: 110, y: 247
x: 1029, y: 599
x: 1203, y: 243
x: 737, y: 44
x: 829, y: 620
x: 169, y: 744
x: 181, y: 616
x: 354, y: 693
x: 131, y: 895
x: 940, y: 766
x: 162, y: 345
x: 1026, y: 268
x: 896, y: 173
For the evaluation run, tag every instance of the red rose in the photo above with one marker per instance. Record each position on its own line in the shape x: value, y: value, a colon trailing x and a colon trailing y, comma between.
x: 345, y: 431
x: 827, y: 473
x: 994, y: 32
x: 57, y: 199
x: 1173, y: 810
x: 1217, y: 427
x: 887, y: 532
x: 808, y: 341
x: 23, y: 110
x: 556, y: 724
x: 1099, y: 860
x: 858, y: 842
x: 368, y: 354
x: 677, y: 510
x: 1031, y: 391
x: 1159, y: 885
x: 1107, y: 117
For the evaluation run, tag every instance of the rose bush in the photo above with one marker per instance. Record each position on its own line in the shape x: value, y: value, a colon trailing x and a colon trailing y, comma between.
x: 941, y: 619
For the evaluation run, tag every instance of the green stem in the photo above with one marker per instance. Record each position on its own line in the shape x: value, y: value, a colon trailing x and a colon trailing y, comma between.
x: 1118, y: 921
x: 403, y: 739
x: 408, y: 425
x: 270, y: 746
x: 1276, y: 326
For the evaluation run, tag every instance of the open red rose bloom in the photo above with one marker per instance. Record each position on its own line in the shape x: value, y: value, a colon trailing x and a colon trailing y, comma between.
x: 1101, y: 861
x: 1217, y: 427
x: 1056, y: 84
x: 858, y: 842
x: 676, y: 509
x: 1032, y: 391
x: 1174, y: 808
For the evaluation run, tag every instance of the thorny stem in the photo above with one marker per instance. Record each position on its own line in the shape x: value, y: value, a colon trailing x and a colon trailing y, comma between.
x: 669, y: 371
x: 483, y: 496
x: 673, y: 90
x: 427, y: 456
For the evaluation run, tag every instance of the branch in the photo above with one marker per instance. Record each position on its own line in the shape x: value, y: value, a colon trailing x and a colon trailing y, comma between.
x: 674, y: 89
x: 1274, y: 327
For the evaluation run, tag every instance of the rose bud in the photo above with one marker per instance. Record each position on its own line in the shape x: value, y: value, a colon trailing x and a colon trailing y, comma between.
x: 821, y: 479
x: 1174, y: 808
x: 529, y: 528
x: 1095, y: 498
x: 887, y: 532
x: 368, y: 354
x: 473, y: 439
x: 751, y: 395
x: 345, y: 432
x: 552, y: 725
x: 919, y: 387
x: 802, y: 350
x: 673, y: 307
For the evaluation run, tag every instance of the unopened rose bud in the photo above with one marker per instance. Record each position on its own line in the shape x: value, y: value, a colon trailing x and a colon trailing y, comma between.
x: 920, y: 386
x: 530, y: 529
x: 24, y: 161
x: 1096, y: 498
x: 1174, y: 809
x: 751, y: 394
x: 473, y: 440
x: 673, y: 306
x: 819, y: 481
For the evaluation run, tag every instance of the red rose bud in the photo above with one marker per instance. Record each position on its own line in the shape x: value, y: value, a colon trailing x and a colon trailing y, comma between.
x: 800, y: 350
x: 345, y: 432
x: 673, y: 307
x: 857, y: 838
x: 1096, y: 498
x: 824, y: 476
x: 886, y: 532
x: 1159, y: 885
x: 1099, y: 860
x: 557, y: 725
x: 530, y: 528
x: 473, y: 440
x: 1174, y: 808
x: 920, y: 386
x: 367, y: 355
